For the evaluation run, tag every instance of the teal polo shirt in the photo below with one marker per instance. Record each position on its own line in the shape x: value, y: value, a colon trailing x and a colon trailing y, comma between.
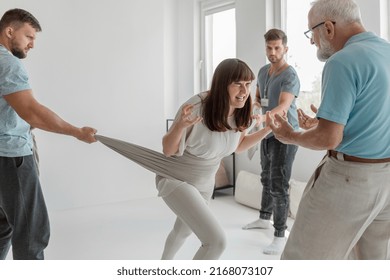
x: 356, y: 94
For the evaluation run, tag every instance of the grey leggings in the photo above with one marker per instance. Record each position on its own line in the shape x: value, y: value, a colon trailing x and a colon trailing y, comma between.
x: 193, y: 215
x: 186, y: 201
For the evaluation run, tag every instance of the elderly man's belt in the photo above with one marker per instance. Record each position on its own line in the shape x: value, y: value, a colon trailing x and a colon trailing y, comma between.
x: 341, y: 156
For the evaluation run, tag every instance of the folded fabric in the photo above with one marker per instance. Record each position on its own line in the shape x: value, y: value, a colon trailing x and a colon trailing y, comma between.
x: 187, y: 168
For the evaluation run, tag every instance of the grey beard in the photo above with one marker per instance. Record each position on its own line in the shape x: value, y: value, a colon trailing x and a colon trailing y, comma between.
x: 325, y: 51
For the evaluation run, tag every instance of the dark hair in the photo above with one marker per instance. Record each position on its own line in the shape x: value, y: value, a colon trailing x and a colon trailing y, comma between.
x: 276, y: 34
x: 216, y: 104
x: 16, y: 18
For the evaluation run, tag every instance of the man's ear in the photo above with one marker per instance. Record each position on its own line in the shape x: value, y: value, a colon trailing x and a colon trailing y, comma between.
x: 9, y: 31
x: 330, y: 30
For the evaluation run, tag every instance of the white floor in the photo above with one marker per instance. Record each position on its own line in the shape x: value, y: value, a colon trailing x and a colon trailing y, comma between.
x: 136, y: 230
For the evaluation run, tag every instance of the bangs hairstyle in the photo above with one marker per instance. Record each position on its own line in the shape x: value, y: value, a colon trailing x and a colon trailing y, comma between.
x: 217, y: 103
x: 16, y: 18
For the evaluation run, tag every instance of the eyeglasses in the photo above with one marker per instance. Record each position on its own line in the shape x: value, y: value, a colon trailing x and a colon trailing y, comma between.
x: 309, y: 33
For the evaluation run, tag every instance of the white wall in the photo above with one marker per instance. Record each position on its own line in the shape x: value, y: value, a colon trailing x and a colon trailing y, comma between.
x: 106, y: 64
x: 370, y: 16
x: 124, y: 66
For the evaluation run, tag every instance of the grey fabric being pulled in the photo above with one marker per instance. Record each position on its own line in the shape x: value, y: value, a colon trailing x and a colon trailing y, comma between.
x: 187, y: 168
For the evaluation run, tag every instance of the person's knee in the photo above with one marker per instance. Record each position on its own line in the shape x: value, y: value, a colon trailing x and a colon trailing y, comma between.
x: 221, y: 244
x: 217, y: 242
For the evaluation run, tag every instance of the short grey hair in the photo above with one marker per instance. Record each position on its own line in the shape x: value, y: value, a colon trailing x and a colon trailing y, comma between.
x: 341, y: 11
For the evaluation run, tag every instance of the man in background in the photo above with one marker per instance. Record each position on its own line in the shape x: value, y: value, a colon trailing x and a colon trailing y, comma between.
x: 277, y: 88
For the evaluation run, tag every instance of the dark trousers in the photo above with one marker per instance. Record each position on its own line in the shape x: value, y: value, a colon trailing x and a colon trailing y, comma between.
x: 276, y: 163
x: 24, y: 221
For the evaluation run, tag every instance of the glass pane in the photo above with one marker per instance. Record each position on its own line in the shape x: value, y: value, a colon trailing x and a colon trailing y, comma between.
x: 302, y: 55
x: 220, y: 39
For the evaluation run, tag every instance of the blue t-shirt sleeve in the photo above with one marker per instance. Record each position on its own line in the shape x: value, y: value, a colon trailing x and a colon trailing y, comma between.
x: 338, y: 92
x: 291, y: 83
x: 13, y: 76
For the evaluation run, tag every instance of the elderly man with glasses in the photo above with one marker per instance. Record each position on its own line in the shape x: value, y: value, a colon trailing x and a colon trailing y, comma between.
x: 345, y: 209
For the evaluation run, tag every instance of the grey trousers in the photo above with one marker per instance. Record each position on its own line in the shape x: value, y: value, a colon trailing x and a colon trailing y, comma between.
x: 24, y: 221
x: 276, y: 165
x: 344, y: 212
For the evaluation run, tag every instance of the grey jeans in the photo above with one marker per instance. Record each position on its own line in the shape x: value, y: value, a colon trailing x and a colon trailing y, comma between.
x: 24, y: 221
x: 276, y: 164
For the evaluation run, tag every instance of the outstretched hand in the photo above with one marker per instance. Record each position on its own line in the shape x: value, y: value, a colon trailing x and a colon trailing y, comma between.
x: 305, y: 121
x: 256, y: 115
x: 259, y: 119
x: 280, y: 126
x: 186, y: 119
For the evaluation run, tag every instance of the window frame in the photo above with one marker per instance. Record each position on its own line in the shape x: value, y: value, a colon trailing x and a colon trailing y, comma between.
x: 209, y: 7
x: 303, y: 93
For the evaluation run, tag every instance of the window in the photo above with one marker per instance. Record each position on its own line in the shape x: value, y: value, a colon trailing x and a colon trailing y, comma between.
x: 302, y: 55
x: 218, y: 39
